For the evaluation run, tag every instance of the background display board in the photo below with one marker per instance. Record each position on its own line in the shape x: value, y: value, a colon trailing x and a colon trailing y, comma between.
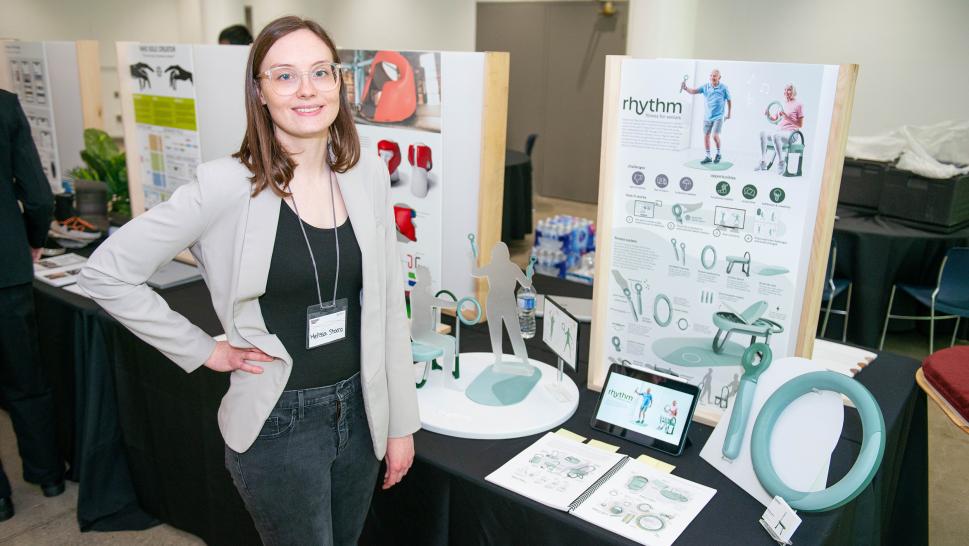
x: 705, y: 246
x: 445, y: 112
x: 182, y: 104
x: 427, y: 115
x: 59, y: 89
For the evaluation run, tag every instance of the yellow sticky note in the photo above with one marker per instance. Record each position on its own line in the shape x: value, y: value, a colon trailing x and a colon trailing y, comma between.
x: 570, y: 435
x: 603, y: 446
x: 655, y: 463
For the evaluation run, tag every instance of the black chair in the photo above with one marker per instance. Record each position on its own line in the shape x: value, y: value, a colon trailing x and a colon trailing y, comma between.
x: 530, y: 143
x: 950, y: 295
x: 832, y: 289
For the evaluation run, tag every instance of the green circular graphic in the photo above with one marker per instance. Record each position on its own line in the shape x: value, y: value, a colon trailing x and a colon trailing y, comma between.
x: 777, y: 195
x: 723, y: 188
x: 750, y: 191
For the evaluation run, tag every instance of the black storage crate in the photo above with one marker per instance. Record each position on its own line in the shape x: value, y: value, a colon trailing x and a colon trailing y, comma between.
x: 942, y: 204
x: 861, y: 182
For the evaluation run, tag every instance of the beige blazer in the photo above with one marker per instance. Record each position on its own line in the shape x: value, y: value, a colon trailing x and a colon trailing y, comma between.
x: 231, y: 235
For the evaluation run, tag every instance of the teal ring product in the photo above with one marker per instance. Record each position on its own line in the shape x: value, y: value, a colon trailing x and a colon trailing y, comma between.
x: 745, y: 397
x: 776, y: 117
x: 477, y: 306
x: 683, y: 324
x: 703, y: 258
x: 869, y: 458
x: 669, y: 307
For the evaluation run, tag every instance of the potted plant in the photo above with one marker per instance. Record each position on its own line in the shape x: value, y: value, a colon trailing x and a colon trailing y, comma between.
x: 105, y: 162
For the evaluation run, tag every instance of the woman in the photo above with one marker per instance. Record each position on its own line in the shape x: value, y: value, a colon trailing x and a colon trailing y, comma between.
x: 312, y: 304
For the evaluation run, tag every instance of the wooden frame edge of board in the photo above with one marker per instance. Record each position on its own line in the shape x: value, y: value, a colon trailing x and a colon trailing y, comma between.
x: 827, y: 205
x: 491, y: 188
x: 89, y: 78
x: 600, y: 293
x: 129, y: 128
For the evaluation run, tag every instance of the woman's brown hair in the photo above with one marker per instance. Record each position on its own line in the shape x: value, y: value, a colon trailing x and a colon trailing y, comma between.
x: 260, y: 152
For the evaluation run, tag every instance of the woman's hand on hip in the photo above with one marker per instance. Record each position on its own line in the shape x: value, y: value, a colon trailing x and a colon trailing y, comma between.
x: 226, y: 358
x: 400, y: 455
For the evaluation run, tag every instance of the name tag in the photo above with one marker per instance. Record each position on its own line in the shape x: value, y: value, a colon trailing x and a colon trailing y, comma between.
x: 326, y: 323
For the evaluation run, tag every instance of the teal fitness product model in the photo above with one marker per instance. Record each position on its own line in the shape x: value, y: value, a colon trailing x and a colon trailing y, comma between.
x: 745, y: 397
x: 680, y: 209
x: 750, y: 322
x: 708, y: 257
x: 669, y: 310
x: 744, y: 262
x: 621, y: 281
x: 772, y: 270
x: 866, y: 465
x: 639, y: 297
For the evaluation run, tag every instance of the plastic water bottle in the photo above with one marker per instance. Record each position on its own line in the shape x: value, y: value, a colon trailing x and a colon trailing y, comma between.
x: 526, y: 311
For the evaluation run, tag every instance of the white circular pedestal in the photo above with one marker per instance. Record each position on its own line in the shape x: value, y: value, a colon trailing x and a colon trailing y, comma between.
x: 449, y: 411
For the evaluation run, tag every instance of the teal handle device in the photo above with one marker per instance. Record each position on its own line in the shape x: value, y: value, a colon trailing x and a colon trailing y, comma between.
x: 866, y: 465
x: 530, y: 270
x: 474, y: 247
x: 745, y: 397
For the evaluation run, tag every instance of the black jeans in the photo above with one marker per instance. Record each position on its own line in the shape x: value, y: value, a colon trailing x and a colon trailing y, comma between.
x: 24, y: 390
x: 310, y: 476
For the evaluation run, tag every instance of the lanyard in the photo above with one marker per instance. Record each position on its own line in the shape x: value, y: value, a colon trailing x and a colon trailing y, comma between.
x: 336, y: 234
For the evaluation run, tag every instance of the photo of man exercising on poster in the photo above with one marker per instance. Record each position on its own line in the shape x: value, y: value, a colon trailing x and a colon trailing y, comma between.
x: 717, y: 95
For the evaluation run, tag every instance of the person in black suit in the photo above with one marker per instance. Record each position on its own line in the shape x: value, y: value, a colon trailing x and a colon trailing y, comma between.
x: 26, y: 204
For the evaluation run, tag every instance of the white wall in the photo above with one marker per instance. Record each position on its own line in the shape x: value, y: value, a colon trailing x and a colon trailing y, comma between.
x: 914, y: 67
x: 661, y: 28
x: 384, y: 24
x: 392, y: 24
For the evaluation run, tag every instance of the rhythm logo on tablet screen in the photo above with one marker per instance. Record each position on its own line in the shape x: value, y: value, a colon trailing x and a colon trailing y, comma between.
x: 645, y: 408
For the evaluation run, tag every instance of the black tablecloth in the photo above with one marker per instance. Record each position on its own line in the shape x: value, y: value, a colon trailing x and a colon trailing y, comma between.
x: 154, y: 432
x: 516, y: 220
x: 875, y: 252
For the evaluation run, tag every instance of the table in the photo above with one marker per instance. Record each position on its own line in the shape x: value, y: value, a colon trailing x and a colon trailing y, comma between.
x: 152, y: 436
x: 875, y: 252
x: 517, y: 203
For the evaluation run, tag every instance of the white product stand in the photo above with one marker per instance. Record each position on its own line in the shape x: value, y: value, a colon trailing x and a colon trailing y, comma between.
x: 450, y: 412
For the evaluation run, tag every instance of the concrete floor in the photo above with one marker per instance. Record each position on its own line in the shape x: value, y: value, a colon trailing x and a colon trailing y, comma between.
x: 43, y: 521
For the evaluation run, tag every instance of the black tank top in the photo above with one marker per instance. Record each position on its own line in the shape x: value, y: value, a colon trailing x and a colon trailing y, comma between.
x: 290, y: 290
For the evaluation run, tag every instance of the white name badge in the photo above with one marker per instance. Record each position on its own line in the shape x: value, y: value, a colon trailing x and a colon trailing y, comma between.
x: 326, y: 323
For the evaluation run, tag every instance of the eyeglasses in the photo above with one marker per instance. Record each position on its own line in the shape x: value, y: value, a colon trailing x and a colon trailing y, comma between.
x: 284, y: 80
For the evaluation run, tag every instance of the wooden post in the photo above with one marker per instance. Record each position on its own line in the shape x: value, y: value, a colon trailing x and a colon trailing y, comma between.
x: 491, y: 192
x: 600, y: 288
x: 844, y: 99
x: 89, y: 77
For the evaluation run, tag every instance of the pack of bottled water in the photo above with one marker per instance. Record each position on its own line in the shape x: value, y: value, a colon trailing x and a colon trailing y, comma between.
x: 560, y: 243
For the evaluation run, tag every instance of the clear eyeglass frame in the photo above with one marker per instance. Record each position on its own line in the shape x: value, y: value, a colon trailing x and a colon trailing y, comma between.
x: 286, y: 80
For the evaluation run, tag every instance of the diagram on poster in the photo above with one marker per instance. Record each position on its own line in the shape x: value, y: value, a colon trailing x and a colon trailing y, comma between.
x: 560, y: 331
x: 396, y: 100
x: 716, y: 178
x: 163, y: 91
x: 30, y: 78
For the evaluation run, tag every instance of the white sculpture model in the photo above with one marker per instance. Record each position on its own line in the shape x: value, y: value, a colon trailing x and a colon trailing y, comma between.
x: 503, y: 276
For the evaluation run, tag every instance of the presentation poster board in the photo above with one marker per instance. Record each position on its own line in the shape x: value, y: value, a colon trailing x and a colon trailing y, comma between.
x: 718, y: 183
x: 182, y: 104
x: 445, y: 112
x: 425, y: 114
x: 59, y: 90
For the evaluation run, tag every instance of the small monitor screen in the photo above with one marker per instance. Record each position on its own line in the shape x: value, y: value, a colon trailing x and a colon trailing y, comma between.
x: 645, y: 408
